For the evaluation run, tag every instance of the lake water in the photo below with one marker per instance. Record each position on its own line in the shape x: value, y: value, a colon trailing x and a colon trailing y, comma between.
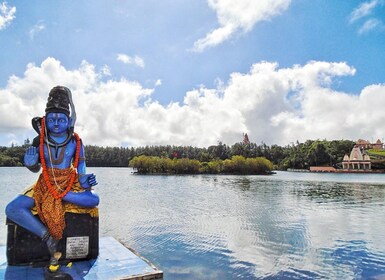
x: 284, y: 226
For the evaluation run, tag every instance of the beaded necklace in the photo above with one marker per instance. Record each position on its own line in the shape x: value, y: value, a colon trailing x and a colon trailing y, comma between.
x: 51, y: 189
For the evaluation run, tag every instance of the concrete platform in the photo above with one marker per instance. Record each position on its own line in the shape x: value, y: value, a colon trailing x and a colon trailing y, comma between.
x: 115, y: 262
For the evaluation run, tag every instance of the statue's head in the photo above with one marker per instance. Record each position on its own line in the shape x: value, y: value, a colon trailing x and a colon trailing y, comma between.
x: 58, y: 101
x: 58, y: 109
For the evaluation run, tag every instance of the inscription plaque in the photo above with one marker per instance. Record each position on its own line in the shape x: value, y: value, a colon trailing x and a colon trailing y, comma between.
x: 77, y: 247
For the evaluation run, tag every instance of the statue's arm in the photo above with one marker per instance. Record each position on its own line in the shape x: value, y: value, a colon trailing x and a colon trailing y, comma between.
x: 86, y: 180
x: 86, y: 198
x: 31, y: 159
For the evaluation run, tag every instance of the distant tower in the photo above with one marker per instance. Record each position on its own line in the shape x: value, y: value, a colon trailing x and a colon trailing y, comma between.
x: 246, y: 140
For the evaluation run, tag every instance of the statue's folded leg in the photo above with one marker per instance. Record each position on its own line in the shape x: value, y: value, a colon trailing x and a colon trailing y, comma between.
x: 84, y: 199
x: 19, y: 211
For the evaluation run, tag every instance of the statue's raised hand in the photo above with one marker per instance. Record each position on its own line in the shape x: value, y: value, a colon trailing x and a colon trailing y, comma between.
x: 31, y: 157
x: 87, y: 180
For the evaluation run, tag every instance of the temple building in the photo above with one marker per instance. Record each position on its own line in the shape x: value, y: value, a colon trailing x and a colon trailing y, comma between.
x: 378, y: 145
x: 365, y: 144
x: 357, y: 160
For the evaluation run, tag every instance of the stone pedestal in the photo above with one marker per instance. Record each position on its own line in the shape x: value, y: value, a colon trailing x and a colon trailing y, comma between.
x: 80, y: 242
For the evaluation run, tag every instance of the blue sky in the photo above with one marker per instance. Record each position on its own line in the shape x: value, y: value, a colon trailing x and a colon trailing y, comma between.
x: 196, y: 72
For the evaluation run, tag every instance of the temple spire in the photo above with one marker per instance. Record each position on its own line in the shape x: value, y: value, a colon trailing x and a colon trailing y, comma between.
x: 246, y: 140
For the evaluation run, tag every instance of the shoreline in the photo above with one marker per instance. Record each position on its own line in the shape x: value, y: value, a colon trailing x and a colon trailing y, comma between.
x: 340, y: 171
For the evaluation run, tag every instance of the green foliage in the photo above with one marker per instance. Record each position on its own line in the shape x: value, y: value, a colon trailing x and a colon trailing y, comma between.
x: 12, y: 156
x: 377, y: 158
x: 375, y: 152
x: 186, y: 166
x: 9, y: 161
x: 108, y: 156
x: 258, y: 165
x: 152, y: 164
x: 212, y: 167
x: 235, y: 165
x: 316, y: 153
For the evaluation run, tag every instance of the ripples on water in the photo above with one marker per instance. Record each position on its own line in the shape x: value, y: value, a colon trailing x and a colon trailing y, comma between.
x: 285, y: 226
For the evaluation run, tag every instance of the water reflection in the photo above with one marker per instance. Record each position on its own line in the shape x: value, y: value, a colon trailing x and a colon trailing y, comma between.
x: 247, y: 227
x: 354, y: 258
x: 337, y: 192
x: 243, y: 183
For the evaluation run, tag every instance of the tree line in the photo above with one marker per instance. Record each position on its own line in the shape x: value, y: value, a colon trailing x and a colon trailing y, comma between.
x: 296, y: 155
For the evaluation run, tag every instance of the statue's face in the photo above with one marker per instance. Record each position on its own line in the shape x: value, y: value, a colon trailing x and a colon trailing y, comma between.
x: 57, y: 123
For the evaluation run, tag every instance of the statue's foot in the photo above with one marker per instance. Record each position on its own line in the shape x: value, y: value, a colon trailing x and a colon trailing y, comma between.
x: 55, y: 255
x: 54, y: 262
x: 52, y: 245
x: 53, y: 266
x: 53, y: 269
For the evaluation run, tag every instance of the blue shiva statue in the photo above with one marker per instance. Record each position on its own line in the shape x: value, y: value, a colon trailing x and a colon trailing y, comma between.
x: 59, y: 152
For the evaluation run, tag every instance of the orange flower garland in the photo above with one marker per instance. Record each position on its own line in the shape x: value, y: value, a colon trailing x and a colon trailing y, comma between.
x: 51, y: 189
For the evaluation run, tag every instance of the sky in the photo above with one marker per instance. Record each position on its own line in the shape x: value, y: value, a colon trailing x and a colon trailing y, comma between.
x: 196, y: 72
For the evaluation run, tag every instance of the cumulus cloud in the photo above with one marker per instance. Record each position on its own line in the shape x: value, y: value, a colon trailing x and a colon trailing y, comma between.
x: 7, y: 14
x: 238, y: 16
x: 136, y: 60
x: 272, y: 104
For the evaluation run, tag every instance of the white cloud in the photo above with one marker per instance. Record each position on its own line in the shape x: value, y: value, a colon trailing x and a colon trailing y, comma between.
x: 7, y: 14
x: 36, y: 29
x: 105, y: 70
x: 370, y: 25
x: 363, y: 10
x: 136, y: 60
x: 238, y: 16
x: 274, y: 105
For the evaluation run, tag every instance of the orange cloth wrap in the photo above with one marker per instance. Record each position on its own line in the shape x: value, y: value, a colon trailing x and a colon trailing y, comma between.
x: 50, y: 210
